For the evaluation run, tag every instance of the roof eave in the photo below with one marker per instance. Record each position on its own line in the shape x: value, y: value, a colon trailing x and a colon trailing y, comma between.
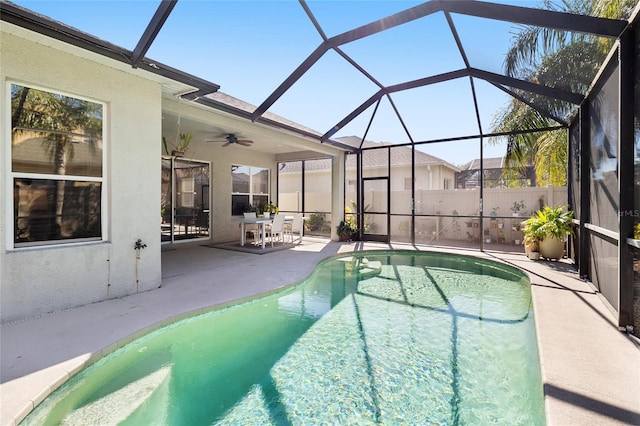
x: 40, y: 24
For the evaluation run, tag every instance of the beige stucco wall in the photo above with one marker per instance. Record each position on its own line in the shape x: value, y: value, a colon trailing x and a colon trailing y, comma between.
x: 35, y: 281
x: 221, y: 159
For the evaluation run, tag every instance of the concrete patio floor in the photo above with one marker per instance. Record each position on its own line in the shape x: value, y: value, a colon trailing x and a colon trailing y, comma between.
x: 590, y: 370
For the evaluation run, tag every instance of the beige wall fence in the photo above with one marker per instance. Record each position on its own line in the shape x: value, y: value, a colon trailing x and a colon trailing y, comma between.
x: 443, y: 214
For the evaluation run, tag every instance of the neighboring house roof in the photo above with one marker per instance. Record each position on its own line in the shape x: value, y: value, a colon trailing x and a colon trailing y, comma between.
x: 321, y: 164
x: 488, y: 163
x: 400, y: 156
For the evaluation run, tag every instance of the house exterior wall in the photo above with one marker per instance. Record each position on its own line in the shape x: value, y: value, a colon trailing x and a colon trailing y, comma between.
x: 221, y: 159
x: 38, y: 280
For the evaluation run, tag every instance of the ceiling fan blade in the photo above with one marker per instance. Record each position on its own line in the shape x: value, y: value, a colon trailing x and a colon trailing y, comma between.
x: 230, y: 139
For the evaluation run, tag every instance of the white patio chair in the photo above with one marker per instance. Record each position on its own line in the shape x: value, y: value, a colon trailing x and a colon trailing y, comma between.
x: 253, y: 230
x: 295, y: 227
x: 277, y: 228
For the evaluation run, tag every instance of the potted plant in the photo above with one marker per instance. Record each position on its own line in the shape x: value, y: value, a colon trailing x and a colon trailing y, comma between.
x: 345, y: 231
x: 181, y: 145
x: 531, y: 247
x: 531, y: 236
x: 550, y: 226
x: 516, y: 207
x: 269, y: 209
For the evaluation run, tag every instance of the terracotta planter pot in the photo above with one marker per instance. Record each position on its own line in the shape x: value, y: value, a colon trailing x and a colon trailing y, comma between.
x: 552, y: 248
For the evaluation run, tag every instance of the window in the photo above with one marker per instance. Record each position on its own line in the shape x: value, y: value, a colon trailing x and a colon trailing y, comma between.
x: 57, y: 167
x: 250, y: 187
x: 407, y: 183
x: 446, y: 184
x: 185, y: 207
x: 187, y: 191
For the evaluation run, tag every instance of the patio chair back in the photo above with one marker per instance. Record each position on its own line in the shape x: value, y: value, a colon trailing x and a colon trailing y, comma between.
x: 277, y: 228
x: 251, y: 231
x: 296, y: 226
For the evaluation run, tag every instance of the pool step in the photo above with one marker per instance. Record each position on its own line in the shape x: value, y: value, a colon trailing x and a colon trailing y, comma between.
x: 366, y: 268
x: 363, y: 266
x: 118, y: 406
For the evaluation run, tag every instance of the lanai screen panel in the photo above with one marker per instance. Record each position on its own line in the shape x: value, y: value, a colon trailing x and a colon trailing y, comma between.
x: 574, y: 175
x: 603, y: 167
x: 636, y: 179
x: 317, y: 196
x: 445, y: 214
x: 350, y: 188
x: 290, y: 189
x: 375, y: 163
x: 400, y: 182
x: 604, y: 152
x: 574, y: 179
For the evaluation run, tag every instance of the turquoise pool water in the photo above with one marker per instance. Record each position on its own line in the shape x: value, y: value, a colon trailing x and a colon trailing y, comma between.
x: 374, y: 338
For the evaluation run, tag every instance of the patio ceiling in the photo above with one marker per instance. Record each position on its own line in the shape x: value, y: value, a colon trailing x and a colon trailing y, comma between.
x: 442, y: 77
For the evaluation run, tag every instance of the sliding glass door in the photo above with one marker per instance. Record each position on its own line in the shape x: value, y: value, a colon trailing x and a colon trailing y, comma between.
x: 185, y: 204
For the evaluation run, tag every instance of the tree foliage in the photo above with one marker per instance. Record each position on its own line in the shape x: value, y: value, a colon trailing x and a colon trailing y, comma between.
x: 554, y: 58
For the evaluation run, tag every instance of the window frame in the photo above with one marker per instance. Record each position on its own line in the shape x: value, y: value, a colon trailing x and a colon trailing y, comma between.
x: 251, y: 193
x: 11, y: 176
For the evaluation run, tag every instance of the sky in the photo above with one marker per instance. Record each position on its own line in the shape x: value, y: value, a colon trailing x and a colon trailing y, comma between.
x: 250, y: 47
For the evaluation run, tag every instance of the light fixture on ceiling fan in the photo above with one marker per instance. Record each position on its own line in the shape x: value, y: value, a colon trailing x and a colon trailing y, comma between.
x: 231, y: 139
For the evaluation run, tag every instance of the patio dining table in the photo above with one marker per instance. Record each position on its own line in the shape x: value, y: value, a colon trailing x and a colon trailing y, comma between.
x: 262, y: 221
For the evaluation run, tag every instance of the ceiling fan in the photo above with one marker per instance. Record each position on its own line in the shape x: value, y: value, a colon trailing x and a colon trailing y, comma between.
x: 231, y: 139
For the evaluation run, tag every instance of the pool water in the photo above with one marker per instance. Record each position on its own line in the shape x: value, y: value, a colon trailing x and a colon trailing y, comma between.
x: 373, y: 338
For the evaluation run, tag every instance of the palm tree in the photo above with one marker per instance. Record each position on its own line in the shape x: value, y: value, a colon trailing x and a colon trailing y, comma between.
x: 61, y: 118
x: 547, y: 56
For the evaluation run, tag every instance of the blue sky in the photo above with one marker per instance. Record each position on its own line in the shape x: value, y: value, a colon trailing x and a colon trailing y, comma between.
x: 250, y: 47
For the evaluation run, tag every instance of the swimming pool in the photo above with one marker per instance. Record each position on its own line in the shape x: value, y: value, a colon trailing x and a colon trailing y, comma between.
x: 376, y: 337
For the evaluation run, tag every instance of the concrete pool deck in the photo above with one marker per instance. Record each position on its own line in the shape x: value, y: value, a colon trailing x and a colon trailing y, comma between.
x: 590, y: 370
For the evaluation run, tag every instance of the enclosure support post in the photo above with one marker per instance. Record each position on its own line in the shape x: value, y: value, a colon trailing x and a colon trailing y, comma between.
x: 585, y: 191
x: 304, y: 188
x: 359, y: 195
x: 481, y: 180
x: 625, y: 177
